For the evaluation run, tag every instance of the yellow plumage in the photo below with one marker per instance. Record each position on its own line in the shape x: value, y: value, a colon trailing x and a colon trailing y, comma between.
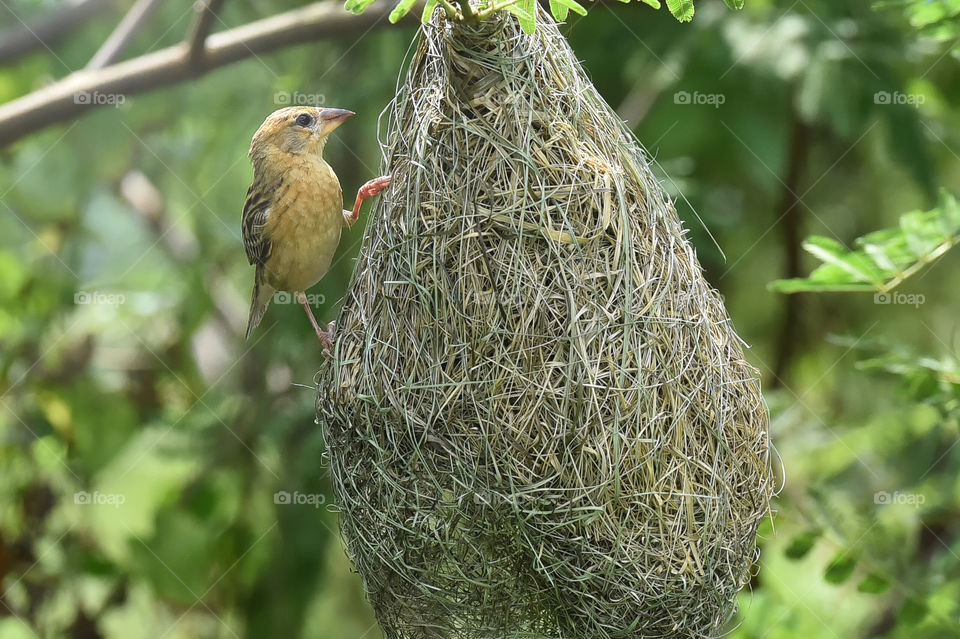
x: 306, y: 235
x: 293, y: 214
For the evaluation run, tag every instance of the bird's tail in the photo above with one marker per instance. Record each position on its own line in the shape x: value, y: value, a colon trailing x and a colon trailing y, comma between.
x: 260, y: 302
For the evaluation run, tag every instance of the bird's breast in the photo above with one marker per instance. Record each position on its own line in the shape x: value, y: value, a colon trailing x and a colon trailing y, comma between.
x: 304, y: 226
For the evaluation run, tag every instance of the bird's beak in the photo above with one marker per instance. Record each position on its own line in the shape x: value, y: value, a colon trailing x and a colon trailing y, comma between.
x: 332, y: 118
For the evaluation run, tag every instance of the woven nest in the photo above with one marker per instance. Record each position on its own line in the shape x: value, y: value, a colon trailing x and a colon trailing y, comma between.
x: 539, y: 418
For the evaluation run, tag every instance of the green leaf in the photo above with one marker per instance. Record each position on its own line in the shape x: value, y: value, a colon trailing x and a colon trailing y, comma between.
x: 558, y: 7
x: 874, y: 584
x: 882, y: 259
x: 801, y: 545
x: 526, y: 12
x: 921, y: 231
x: 357, y: 6
x: 912, y: 611
x: 926, y: 375
x: 428, y: 10
x: 840, y: 568
x: 682, y: 10
x: 403, y: 8
x: 879, y: 255
x: 653, y: 3
x: 804, y: 285
x: 949, y: 205
x: 833, y: 252
x: 736, y: 5
x: 558, y: 10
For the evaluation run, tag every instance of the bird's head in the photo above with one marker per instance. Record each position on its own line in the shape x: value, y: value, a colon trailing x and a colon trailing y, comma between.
x: 298, y: 130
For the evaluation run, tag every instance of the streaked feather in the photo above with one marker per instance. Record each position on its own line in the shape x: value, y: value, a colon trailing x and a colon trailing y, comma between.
x: 259, y: 302
x: 256, y: 212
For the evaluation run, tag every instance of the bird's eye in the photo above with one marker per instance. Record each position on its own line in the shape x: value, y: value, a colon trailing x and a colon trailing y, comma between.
x: 304, y: 119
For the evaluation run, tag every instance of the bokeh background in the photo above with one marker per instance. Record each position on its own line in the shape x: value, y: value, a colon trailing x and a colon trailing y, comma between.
x: 162, y: 478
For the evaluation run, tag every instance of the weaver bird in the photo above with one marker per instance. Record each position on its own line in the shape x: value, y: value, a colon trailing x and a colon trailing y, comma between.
x: 293, y: 213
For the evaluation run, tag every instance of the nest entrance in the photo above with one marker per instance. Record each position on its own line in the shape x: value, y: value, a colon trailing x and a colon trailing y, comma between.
x: 539, y: 419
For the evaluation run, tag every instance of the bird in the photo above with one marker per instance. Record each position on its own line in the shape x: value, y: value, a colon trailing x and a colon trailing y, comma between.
x: 293, y: 213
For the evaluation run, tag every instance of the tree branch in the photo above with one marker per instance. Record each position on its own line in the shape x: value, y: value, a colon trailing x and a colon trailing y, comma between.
x: 207, y: 10
x: 467, y: 11
x: 89, y: 89
x: 791, y: 219
x: 48, y: 29
x: 111, y: 50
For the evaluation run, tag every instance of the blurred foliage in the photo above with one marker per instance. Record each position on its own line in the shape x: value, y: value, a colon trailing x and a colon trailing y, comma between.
x: 936, y: 19
x: 162, y: 478
x: 882, y: 259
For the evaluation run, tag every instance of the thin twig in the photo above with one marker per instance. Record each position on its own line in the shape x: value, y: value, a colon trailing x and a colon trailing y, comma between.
x: 449, y: 9
x: 494, y: 8
x: 82, y: 91
x: 790, y: 218
x: 207, y: 10
x: 468, y: 16
x: 919, y: 265
x: 132, y: 22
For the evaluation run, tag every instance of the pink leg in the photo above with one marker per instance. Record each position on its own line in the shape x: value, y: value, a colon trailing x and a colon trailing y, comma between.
x: 369, y: 189
x: 325, y: 336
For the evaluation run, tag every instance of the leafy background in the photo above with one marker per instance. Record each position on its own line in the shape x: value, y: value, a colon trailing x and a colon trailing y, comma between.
x: 123, y: 295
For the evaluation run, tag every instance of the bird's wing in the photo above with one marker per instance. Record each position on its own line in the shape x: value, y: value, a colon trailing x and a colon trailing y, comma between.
x: 256, y: 212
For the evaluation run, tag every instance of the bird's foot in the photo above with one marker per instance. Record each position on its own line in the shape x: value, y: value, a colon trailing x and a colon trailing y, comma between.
x: 325, y: 336
x: 326, y: 339
x: 371, y: 188
x: 374, y: 186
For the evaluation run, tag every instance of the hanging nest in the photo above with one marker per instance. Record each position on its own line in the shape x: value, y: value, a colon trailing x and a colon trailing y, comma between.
x: 539, y: 418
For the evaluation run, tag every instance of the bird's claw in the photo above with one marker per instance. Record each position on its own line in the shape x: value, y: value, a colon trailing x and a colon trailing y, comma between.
x: 374, y: 186
x: 326, y: 339
x: 371, y: 188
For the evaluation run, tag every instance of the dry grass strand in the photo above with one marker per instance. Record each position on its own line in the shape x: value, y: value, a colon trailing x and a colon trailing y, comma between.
x: 539, y: 418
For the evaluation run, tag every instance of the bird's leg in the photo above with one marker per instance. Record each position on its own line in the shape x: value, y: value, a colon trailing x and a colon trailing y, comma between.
x: 325, y: 336
x: 369, y: 189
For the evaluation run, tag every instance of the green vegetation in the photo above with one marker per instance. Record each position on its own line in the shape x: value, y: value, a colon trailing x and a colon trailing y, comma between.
x: 524, y: 10
x: 883, y: 259
x: 162, y: 478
